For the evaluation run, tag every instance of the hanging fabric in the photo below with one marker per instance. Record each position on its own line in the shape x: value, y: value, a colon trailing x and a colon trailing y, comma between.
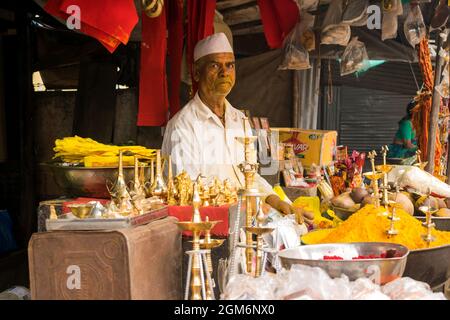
x: 153, y: 99
x: 200, y: 16
x: 109, y: 21
x: 278, y: 18
x: 175, y: 52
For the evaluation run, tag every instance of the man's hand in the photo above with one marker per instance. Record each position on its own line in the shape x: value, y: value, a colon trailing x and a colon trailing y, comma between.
x: 285, y: 208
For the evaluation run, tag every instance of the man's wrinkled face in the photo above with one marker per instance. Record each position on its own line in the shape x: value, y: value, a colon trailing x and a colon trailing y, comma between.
x: 215, y: 74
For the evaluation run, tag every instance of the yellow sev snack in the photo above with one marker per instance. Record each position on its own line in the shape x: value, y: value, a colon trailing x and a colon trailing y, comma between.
x: 368, y: 225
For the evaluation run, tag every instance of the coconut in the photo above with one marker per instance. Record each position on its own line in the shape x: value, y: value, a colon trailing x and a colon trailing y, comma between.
x: 368, y: 200
x: 343, y: 201
x: 404, y: 201
x: 358, y: 194
x: 443, y: 212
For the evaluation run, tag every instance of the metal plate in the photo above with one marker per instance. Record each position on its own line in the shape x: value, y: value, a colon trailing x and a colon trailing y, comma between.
x: 106, y: 224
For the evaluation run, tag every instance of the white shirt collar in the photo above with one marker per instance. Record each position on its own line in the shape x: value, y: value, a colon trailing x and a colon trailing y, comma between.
x: 204, y: 113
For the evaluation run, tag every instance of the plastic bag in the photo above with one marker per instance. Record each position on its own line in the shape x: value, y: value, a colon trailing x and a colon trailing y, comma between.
x: 333, y: 30
x: 339, y: 35
x: 307, y: 5
x: 365, y: 289
x: 296, y: 57
x: 303, y: 282
x: 354, y: 12
x: 389, y: 26
x: 333, y: 17
x: 307, y: 35
x: 311, y: 283
x: 244, y: 287
x: 414, y: 27
x: 354, y: 58
x: 410, y: 289
x: 286, y: 234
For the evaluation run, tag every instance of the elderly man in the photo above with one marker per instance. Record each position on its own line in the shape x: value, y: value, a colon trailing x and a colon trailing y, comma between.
x: 201, y: 137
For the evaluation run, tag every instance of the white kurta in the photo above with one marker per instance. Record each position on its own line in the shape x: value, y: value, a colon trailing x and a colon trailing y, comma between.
x: 199, y: 144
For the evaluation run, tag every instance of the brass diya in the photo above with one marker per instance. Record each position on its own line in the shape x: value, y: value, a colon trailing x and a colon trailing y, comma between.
x: 81, y: 211
x: 196, y: 275
x: 429, y: 224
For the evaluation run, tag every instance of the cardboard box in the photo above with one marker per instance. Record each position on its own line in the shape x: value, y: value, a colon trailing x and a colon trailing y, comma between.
x: 311, y: 146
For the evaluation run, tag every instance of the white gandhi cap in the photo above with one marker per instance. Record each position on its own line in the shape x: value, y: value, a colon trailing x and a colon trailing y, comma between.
x: 216, y: 43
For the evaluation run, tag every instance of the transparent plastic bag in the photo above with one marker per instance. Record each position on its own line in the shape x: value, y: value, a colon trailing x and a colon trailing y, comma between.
x: 244, y: 287
x: 414, y: 26
x: 287, y: 234
x: 307, y: 5
x: 333, y: 17
x: 354, y: 58
x: 311, y: 283
x: 296, y: 57
x: 307, y: 35
x: 354, y: 12
x: 339, y: 34
x: 410, y: 289
x: 365, y: 289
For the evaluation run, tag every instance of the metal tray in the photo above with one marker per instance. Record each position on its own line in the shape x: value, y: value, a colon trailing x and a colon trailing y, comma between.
x: 105, y: 224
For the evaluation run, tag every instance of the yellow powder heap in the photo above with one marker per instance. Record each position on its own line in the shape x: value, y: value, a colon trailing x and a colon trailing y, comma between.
x: 369, y: 225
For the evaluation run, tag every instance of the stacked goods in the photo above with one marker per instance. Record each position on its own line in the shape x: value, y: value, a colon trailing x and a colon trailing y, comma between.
x: 370, y: 225
x: 90, y: 153
x: 347, y: 172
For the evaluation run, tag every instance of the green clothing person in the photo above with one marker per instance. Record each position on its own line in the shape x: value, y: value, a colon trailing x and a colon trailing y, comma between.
x: 405, y: 144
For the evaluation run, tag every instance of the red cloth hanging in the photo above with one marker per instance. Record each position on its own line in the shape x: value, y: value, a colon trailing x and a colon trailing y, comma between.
x: 175, y: 52
x: 109, y: 21
x: 153, y: 100
x: 200, y: 25
x: 278, y: 18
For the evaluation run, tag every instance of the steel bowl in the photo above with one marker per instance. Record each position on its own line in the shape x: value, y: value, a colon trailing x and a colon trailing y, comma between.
x: 88, y: 182
x: 442, y: 223
x: 429, y: 265
x: 388, y: 269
